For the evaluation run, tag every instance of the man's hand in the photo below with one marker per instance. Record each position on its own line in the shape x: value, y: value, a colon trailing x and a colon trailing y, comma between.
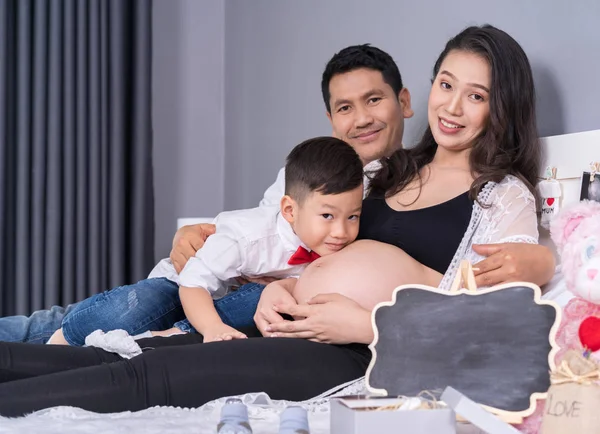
x: 514, y: 262
x: 328, y: 318
x: 187, y: 241
x: 273, y: 294
x: 221, y: 332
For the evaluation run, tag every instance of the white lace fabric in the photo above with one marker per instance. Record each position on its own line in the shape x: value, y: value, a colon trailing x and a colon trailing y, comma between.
x: 510, y: 217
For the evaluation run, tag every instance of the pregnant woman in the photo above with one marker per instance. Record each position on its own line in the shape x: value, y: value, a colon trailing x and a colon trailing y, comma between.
x: 469, y: 180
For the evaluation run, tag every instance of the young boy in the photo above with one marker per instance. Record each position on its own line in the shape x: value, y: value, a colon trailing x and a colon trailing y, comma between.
x: 318, y: 216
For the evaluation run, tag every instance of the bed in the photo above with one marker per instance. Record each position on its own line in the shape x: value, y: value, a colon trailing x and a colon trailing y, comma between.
x: 570, y: 154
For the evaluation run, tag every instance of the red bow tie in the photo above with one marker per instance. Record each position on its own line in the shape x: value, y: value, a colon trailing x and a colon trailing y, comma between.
x: 302, y: 256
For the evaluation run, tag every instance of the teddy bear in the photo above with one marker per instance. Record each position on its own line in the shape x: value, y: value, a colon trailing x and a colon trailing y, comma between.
x: 576, y: 233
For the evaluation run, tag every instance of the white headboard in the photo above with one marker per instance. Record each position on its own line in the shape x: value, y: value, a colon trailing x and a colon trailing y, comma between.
x: 571, y: 154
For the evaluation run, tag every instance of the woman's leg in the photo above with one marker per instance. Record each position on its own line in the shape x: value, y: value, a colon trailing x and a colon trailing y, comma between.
x: 191, y: 375
x: 19, y: 361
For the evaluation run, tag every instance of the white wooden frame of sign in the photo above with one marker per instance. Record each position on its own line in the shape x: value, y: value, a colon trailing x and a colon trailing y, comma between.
x: 465, y: 280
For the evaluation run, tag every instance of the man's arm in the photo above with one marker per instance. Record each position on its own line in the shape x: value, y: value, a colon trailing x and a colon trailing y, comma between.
x: 275, y: 192
x: 189, y: 239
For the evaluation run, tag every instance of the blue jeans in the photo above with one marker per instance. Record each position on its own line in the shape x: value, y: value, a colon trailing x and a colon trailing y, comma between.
x: 236, y: 308
x: 151, y: 304
x: 34, y: 329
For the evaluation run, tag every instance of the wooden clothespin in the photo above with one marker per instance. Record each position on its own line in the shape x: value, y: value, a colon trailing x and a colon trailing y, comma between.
x: 594, y: 170
x: 465, y: 278
x: 550, y: 173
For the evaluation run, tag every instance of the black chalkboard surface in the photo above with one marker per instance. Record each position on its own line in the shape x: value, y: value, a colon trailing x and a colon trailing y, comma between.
x: 496, y: 345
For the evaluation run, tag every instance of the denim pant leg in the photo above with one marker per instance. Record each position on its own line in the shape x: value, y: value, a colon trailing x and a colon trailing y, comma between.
x: 151, y: 304
x: 34, y: 329
x: 236, y: 309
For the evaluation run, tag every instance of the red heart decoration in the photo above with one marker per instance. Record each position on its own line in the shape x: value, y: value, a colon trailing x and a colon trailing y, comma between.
x: 589, y: 333
x: 550, y: 201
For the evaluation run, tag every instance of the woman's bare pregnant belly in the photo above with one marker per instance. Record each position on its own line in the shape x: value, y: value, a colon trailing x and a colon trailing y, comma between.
x: 366, y: 271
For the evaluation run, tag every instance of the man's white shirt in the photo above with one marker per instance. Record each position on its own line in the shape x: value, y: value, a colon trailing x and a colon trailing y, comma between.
x: 275, y: 192
x: 254, y: 242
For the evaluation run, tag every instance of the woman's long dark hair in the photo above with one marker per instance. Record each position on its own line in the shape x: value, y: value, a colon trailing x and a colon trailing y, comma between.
x: 509, y: 144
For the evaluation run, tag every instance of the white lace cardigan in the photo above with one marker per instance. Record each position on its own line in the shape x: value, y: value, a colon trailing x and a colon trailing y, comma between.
x: 509, y: 218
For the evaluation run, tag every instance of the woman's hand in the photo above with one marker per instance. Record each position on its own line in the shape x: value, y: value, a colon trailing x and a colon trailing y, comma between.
x: 276, y: 293
x: 187, y: 241
x: 328, y: 318
x: 514, y: 262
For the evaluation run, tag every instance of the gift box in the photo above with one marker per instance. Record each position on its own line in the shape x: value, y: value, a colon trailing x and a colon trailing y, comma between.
x: 574, y: 397
x: 384, y: 415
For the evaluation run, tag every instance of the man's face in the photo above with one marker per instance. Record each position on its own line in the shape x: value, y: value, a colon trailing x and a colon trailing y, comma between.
x: 367, y: 114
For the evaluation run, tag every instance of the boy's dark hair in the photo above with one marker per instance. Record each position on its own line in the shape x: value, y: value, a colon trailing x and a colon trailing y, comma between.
x: 361, y: 56
x: 324, y: 164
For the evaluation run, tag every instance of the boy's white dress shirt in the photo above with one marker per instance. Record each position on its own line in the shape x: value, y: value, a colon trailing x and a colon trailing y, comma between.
x: 254, y: 242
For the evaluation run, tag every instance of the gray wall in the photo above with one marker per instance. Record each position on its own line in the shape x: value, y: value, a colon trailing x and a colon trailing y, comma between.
x: 271, y: 55
x: 275, y: 52
x: 188, y: 98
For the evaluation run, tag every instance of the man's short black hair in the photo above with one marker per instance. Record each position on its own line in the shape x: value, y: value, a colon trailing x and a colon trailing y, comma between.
x: 361, y: 56
x: 324, y: 164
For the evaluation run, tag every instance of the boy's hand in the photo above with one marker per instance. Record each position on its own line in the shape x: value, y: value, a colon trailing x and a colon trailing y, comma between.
x: 221, y: 332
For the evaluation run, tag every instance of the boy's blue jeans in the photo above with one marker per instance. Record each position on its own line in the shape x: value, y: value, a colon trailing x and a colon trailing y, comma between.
x: 34, y: 329
x: 151, y: 304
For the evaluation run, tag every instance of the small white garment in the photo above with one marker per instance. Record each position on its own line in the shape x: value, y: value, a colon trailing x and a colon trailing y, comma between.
x: 115, y: 341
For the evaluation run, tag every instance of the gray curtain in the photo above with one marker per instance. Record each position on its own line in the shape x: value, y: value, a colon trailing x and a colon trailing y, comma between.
x: 76, y: 194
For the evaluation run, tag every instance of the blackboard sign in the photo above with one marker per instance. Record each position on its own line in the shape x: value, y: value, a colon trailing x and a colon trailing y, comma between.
x: 496, y: 345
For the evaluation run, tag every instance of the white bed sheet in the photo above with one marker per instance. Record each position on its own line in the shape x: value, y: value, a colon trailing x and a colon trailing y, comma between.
x: 263, y: 413
x: 556, y: 290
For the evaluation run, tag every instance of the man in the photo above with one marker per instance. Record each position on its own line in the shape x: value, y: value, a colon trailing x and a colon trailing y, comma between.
x: 366, y: 104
